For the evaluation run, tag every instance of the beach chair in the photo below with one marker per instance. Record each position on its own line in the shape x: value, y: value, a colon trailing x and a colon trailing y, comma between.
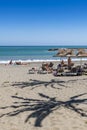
x: 32, y: 71
x: 69, y: 74
x: 41, y: 71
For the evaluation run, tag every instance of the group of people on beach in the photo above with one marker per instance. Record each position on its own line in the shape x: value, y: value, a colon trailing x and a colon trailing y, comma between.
x: 69, y: 64
x: 49, y: 66
x: 45, y: 66
x: 62, y: 65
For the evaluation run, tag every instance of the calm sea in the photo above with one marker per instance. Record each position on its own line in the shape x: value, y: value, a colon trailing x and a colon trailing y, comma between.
x: 29, y: 53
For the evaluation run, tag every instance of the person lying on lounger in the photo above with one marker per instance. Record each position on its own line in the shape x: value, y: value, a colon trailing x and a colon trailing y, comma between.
x: 21, y: 63
x: 60, y: 68
x: 63, y: 64
x: 47, y: 67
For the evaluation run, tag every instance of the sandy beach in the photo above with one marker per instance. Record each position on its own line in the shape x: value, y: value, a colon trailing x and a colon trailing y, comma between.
x: 43, y: 65
x: 41, y: 101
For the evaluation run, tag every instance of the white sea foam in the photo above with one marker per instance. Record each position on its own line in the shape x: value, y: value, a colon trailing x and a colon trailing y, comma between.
x: 26, y: 61
x: 40, y: 60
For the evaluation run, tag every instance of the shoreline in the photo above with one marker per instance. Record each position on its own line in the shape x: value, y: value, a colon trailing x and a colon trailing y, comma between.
x: 43, y: 60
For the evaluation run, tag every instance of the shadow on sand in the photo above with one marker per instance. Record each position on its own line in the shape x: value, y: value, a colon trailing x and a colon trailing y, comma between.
x: 52, y: 83
x: 37, y: 83
x: 40, y: 109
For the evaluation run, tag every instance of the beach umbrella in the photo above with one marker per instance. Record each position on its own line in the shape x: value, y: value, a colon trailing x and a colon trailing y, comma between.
x: 68, y: 54
x: 80, y: 51
x: 81, y: 54
x: 60, y: 53
x: 65, y: 53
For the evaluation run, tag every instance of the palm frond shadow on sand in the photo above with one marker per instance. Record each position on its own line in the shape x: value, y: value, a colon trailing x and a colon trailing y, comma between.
x: 40, y: 109
x: 37, y: 83
x: 33, y: 83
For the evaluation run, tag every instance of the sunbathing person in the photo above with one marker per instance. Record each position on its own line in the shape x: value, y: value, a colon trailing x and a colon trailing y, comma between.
x: 20, y: 63
x: 47, y: 67
x: 44, y: 66
x: 50, y: 66
x: 78, y: 69
x: 60, y: 68
x: 63, y: 64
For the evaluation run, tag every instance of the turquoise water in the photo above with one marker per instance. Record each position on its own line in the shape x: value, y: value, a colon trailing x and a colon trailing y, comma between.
x: 30, y: 53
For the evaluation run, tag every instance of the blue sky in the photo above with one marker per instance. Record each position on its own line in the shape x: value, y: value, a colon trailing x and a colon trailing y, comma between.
x: 42, y: 22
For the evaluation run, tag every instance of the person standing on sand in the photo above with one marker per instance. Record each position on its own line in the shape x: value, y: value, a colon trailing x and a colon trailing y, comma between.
x: 10, y: 63
x: 70, y: 63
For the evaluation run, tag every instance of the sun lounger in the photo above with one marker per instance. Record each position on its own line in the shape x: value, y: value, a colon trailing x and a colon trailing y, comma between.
x: 69, y: 74
x: 31, y: 71
x: 66, y: 74
x: 41, y: 72
x: 59, y: 74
